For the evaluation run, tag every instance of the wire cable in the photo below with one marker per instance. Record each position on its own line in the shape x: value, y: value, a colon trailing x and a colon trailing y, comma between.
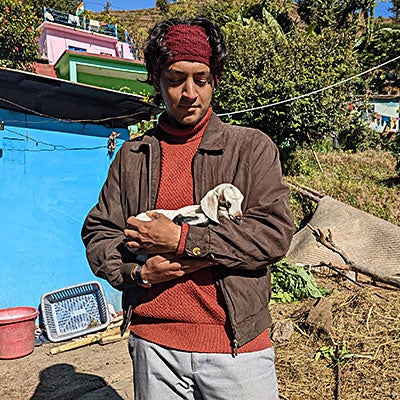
x: 313, y: 92
x: 82, y: 121
x: 53, y: 147
x: 221, y: 114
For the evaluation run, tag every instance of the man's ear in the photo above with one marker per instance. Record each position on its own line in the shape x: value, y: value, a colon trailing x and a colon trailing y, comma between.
x: 209, y: 206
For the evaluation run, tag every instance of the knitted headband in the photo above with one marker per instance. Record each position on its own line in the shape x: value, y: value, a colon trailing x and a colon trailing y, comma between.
x: 187, y: 43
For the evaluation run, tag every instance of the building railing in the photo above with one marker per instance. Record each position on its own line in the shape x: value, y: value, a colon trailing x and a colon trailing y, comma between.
x: 76, y: 21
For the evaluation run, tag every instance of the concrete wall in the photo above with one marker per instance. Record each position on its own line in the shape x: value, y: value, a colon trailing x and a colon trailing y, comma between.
x: 50, y: 174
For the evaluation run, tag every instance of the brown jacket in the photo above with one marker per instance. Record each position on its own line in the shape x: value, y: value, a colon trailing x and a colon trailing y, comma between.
x: 244, y: 157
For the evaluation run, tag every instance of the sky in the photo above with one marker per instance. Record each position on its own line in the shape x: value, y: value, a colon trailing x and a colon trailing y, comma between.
x: 118, y: 5
x: 97, y: 5
x: 381, y: 9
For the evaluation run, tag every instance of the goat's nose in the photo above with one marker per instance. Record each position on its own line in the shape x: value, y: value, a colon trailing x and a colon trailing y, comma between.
x: 237, y: 218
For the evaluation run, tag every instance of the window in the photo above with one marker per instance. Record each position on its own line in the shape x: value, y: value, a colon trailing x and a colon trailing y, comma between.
x: 73, y: 48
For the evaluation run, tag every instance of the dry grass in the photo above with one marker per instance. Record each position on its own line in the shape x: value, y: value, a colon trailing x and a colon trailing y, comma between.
x: 367, y: 321
x: 366, y: 180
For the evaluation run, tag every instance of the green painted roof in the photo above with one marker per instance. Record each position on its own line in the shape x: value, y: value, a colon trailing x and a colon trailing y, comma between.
x: 104, y: 71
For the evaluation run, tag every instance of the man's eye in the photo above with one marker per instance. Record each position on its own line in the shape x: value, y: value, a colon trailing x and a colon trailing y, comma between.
x: 202, y: 83
x: 175, y: 81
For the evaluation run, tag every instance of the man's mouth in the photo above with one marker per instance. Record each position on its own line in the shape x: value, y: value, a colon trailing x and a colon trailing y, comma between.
x: 188, y: 107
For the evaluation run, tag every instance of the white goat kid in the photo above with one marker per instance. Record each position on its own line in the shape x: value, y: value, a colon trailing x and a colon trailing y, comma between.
x: 225, y: 200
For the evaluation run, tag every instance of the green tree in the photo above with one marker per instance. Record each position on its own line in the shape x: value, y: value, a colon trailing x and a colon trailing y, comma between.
x: 395, y: 9
x: 107, y: 7
x: 337, y: 14
x: 68, y: 6
x: 18, y: 35
x: 355, y: 18
x: 224, y: 11
x: 162, y: 6
x: 385, y: 80
x: 185, y: 9
x: 269, y: 64
x: 384, y: 47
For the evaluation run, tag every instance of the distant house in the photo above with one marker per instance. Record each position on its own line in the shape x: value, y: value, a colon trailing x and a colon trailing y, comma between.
x: 91, y: 52
x: 54, y: 156
x: 384, y: 113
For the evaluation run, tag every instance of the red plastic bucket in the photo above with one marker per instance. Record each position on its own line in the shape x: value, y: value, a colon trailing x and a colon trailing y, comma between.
x: 17, y: 331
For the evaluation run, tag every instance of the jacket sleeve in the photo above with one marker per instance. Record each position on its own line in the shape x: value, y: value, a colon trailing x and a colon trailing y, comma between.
x: 103, y: 233
x: 264, y: 235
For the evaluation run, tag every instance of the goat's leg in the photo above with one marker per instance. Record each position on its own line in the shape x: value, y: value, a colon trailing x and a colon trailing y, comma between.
x: 199, y: 220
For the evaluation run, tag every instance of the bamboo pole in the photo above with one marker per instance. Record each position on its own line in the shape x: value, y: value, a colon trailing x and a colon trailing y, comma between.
x: 102, y: 338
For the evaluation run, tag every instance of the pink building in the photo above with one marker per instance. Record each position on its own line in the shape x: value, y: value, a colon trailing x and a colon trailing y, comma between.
x: 56, y: 38
x: 88, y: 51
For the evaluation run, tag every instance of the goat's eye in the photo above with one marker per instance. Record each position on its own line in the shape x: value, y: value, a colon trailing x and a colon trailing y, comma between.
x: 227, y: 204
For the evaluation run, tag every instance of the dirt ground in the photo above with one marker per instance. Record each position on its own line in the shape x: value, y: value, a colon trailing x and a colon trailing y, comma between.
x: 94, y: 372
x: 364, y: 330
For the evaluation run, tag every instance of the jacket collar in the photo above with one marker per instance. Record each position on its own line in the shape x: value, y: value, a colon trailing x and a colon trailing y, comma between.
x: 214, y: 138
x: 146, y: 139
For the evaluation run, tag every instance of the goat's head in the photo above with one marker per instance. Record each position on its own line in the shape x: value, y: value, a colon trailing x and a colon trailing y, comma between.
x: 225, y: 200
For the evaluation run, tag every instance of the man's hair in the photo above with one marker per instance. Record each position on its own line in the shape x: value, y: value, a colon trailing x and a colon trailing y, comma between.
x: 156, y: 54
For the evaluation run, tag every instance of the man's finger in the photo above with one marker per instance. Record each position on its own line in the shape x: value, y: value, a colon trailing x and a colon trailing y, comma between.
x: 132, y: 222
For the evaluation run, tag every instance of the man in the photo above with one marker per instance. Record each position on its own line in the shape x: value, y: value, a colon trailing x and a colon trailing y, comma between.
x: 198, y: 307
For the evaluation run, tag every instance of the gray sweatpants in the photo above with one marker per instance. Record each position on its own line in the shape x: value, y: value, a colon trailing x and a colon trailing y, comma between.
x: 167, y: 374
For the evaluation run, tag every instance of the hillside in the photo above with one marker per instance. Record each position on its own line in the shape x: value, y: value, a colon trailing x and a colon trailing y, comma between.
x: 139, y: 22
x: 135, y: 20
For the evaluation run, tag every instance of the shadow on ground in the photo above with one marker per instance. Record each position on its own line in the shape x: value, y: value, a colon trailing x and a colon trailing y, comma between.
x: 62, y: 382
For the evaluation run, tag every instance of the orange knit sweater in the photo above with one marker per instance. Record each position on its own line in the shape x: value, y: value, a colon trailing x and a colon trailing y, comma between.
x: 187, y: 313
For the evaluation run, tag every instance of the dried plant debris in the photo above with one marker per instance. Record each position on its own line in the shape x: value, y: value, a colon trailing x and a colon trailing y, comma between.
x: 353, y: 355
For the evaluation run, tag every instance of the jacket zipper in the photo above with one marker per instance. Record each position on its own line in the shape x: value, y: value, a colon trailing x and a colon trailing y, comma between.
x: 218, y: 282
x: 127, y: 315
x: 235, y: 342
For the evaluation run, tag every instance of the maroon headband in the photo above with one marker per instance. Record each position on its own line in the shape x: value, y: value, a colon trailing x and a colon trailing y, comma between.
x: 187, y: 43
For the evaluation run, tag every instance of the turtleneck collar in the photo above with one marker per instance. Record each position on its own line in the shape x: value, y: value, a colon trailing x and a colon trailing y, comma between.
x: 185, y: 134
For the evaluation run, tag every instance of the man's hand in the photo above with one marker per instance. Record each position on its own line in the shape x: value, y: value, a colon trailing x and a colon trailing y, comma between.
x: 163, y: 268
x: 158, y: 236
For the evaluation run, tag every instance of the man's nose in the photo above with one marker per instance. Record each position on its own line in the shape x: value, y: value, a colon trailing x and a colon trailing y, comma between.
x: 189, y: 89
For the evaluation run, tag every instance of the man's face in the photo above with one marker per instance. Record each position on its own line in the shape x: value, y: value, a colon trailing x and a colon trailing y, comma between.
x: 186, y: 88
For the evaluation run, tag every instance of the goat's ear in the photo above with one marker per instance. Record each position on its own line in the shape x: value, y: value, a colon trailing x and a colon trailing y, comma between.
x: 209, y: 206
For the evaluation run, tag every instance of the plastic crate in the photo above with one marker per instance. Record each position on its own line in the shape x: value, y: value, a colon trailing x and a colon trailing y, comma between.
x: 74, y: 311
